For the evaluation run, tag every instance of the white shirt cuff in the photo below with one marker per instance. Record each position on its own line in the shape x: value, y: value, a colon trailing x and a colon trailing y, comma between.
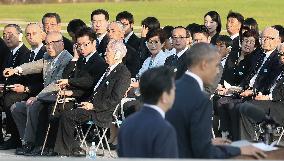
x: 20, y: 70
x: 270, y: 96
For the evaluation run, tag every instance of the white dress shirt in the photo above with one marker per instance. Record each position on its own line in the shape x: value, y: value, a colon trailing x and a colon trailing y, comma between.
x: 17, y: 48
x: 158, y: 109
x: 181, y: 52
x: 128, y: 36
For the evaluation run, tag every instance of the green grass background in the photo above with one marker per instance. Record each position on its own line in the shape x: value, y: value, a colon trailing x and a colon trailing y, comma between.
x: 169, y: 12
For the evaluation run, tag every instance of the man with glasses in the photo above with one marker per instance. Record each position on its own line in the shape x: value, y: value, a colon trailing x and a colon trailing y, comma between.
x: 181, y: 38
x: 126, y: 18
x: 26, y: 114
x: 52, y: 23
x: 100, y: 18
x: 17, y: 54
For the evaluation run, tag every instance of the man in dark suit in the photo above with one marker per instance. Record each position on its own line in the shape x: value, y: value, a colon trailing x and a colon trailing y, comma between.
x: 270, y: 104
x: 234, y: 28
x: 192, y: 110
x: 4, y: 50
x: 16, y: 55
x: 126, y: 18
x: 86, y: 59
x: 181, y: 38
x: 52, y: 65
x: 107, y: 93
x: 132, y: 59
x: 100, y: 18
x: 52, y: 23
x: 146, y: 134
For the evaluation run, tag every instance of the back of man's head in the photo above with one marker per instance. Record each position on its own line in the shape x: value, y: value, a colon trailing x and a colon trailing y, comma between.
x: 151, y: 23
x: 154, y: 82
x: 200, y: 52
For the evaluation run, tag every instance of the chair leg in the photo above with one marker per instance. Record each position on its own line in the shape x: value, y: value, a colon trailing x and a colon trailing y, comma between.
x: 280, y: 137
x: 85, y: 136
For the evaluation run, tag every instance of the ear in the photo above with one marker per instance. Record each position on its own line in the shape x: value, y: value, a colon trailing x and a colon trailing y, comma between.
x: 20, y: 37
x: 203, y: 65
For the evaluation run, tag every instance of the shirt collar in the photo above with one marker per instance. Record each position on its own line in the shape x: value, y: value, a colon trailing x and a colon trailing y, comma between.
x: 36, y: 50
x: 89, y: 56
x: 17, y: 48
x: 158, y: 109
x: 197, y: 78
x: 112, y: 67
x: 267, y: 54
x: 234, y: 36
x: 181, y: 52
x: 128, y: 36
x: 101, y: 37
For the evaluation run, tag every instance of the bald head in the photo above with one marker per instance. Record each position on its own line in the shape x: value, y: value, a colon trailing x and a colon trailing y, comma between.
x: 54, y: 43
x: 270, y: 39
x: 34, y: 35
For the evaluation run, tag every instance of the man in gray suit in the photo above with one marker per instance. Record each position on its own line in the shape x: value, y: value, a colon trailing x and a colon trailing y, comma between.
x: 52, y: 65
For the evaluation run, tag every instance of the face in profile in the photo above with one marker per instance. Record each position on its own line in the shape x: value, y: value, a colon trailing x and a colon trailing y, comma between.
x: 211, y: 69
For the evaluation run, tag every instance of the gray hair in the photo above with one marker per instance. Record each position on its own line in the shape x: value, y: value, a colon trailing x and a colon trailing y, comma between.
x: 119, y: 24
x: 17, y: 27
x: 199, y: 52
x: 118, y: 47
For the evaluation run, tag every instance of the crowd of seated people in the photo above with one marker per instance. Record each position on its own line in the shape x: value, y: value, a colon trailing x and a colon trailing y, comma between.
x: 92, y: 73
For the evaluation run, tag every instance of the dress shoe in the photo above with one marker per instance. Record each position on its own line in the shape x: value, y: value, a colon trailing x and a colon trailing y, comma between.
x: 36, y: 151
x: 50, y: 152
x: 27, y: 148
x: 9, y: 144
x: 78, y: 152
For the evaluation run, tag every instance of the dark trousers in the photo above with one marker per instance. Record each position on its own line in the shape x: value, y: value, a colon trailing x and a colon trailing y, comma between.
x: 26, y: 119
x: 8, y: 100
x: 229, y: 116
x: 65, y: 140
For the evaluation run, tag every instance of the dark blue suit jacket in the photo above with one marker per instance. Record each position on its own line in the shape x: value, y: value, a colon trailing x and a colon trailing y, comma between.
x: 146, y: 134
x: 191, y: 116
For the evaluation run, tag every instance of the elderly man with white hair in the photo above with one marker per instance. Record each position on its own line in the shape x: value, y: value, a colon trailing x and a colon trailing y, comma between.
x: 107, y: 94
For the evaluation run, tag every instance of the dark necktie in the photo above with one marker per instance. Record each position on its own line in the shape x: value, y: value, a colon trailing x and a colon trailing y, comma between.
x: 32, y: 56
x: 97, y: 44
x: 84, y: 60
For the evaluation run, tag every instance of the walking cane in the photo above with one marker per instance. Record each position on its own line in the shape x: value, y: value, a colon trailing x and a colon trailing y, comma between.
x: 53, y: 111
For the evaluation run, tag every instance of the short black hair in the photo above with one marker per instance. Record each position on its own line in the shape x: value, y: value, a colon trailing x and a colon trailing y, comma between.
x: 100, y: 11
x: 225, y: 39
x: 236, y: 15
x: 51, y: 15
x: 75, y: 24
x: 151, y: 23
x: 154, y: 82
x: 250, y: 24
x: 216, y: 18
x: 192, y: 27
x: 85, y: 31
x: 199, y: 52
x: 202, y: 29
x: 125, y: 15
x: 168, y: 31
x: 254, y: 34
x: 280, y: 29
x: 187, y: 32
x: 157, y: 32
